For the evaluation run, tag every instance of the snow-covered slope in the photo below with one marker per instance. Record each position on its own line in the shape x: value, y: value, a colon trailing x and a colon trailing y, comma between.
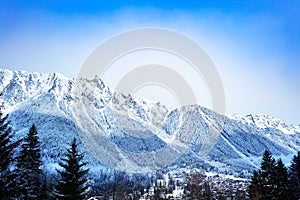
x: 136, y: 134
x: 265, y: 121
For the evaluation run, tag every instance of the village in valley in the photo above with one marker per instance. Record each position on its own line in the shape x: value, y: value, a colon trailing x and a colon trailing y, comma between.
x: 188, y: 184
x: 193, y: 184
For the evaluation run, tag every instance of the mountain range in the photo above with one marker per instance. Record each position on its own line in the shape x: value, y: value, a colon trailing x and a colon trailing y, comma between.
x: 118, y: 131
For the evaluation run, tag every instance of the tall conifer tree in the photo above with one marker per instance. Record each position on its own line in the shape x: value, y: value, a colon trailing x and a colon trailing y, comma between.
x: 28, y: 170
x: 6, y: 157
x: 281, y: 181
x: 267, y: 174
x: 73, y: 181
x: 262, y: 182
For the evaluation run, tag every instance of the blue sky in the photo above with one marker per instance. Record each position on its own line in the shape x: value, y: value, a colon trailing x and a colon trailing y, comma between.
x: 254, y: 44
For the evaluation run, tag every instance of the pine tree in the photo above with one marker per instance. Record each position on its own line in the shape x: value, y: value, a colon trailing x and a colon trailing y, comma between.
x: 6, y: 157
x: 263, y: 181
x: 294, y: 177
x: 28, y: 167
x: 267, y: 174
x: 281, y: 181
x: 73, y: 181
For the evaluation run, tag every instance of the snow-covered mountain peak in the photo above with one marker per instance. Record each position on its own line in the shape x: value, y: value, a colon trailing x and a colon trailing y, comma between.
x: 131, y: 133
x: 264, y: 121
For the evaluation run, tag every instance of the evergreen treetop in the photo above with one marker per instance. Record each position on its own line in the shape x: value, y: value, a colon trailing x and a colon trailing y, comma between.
x: 28, y: 166
x: 72, y: 183
x: 280, y: 181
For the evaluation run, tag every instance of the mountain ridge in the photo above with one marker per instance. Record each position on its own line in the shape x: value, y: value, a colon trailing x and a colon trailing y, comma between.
x: 51, y: 102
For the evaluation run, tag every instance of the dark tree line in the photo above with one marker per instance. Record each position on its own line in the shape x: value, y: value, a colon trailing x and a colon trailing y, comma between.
x: 21, y: 176
x: 118, y: 185
x: 275, y: 181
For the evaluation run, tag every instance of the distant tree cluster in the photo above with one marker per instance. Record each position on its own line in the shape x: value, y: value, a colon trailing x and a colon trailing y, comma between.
x: 275, y: 181
x: 21, y: 176
x: 197, y: 187
x: 118, y: 185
